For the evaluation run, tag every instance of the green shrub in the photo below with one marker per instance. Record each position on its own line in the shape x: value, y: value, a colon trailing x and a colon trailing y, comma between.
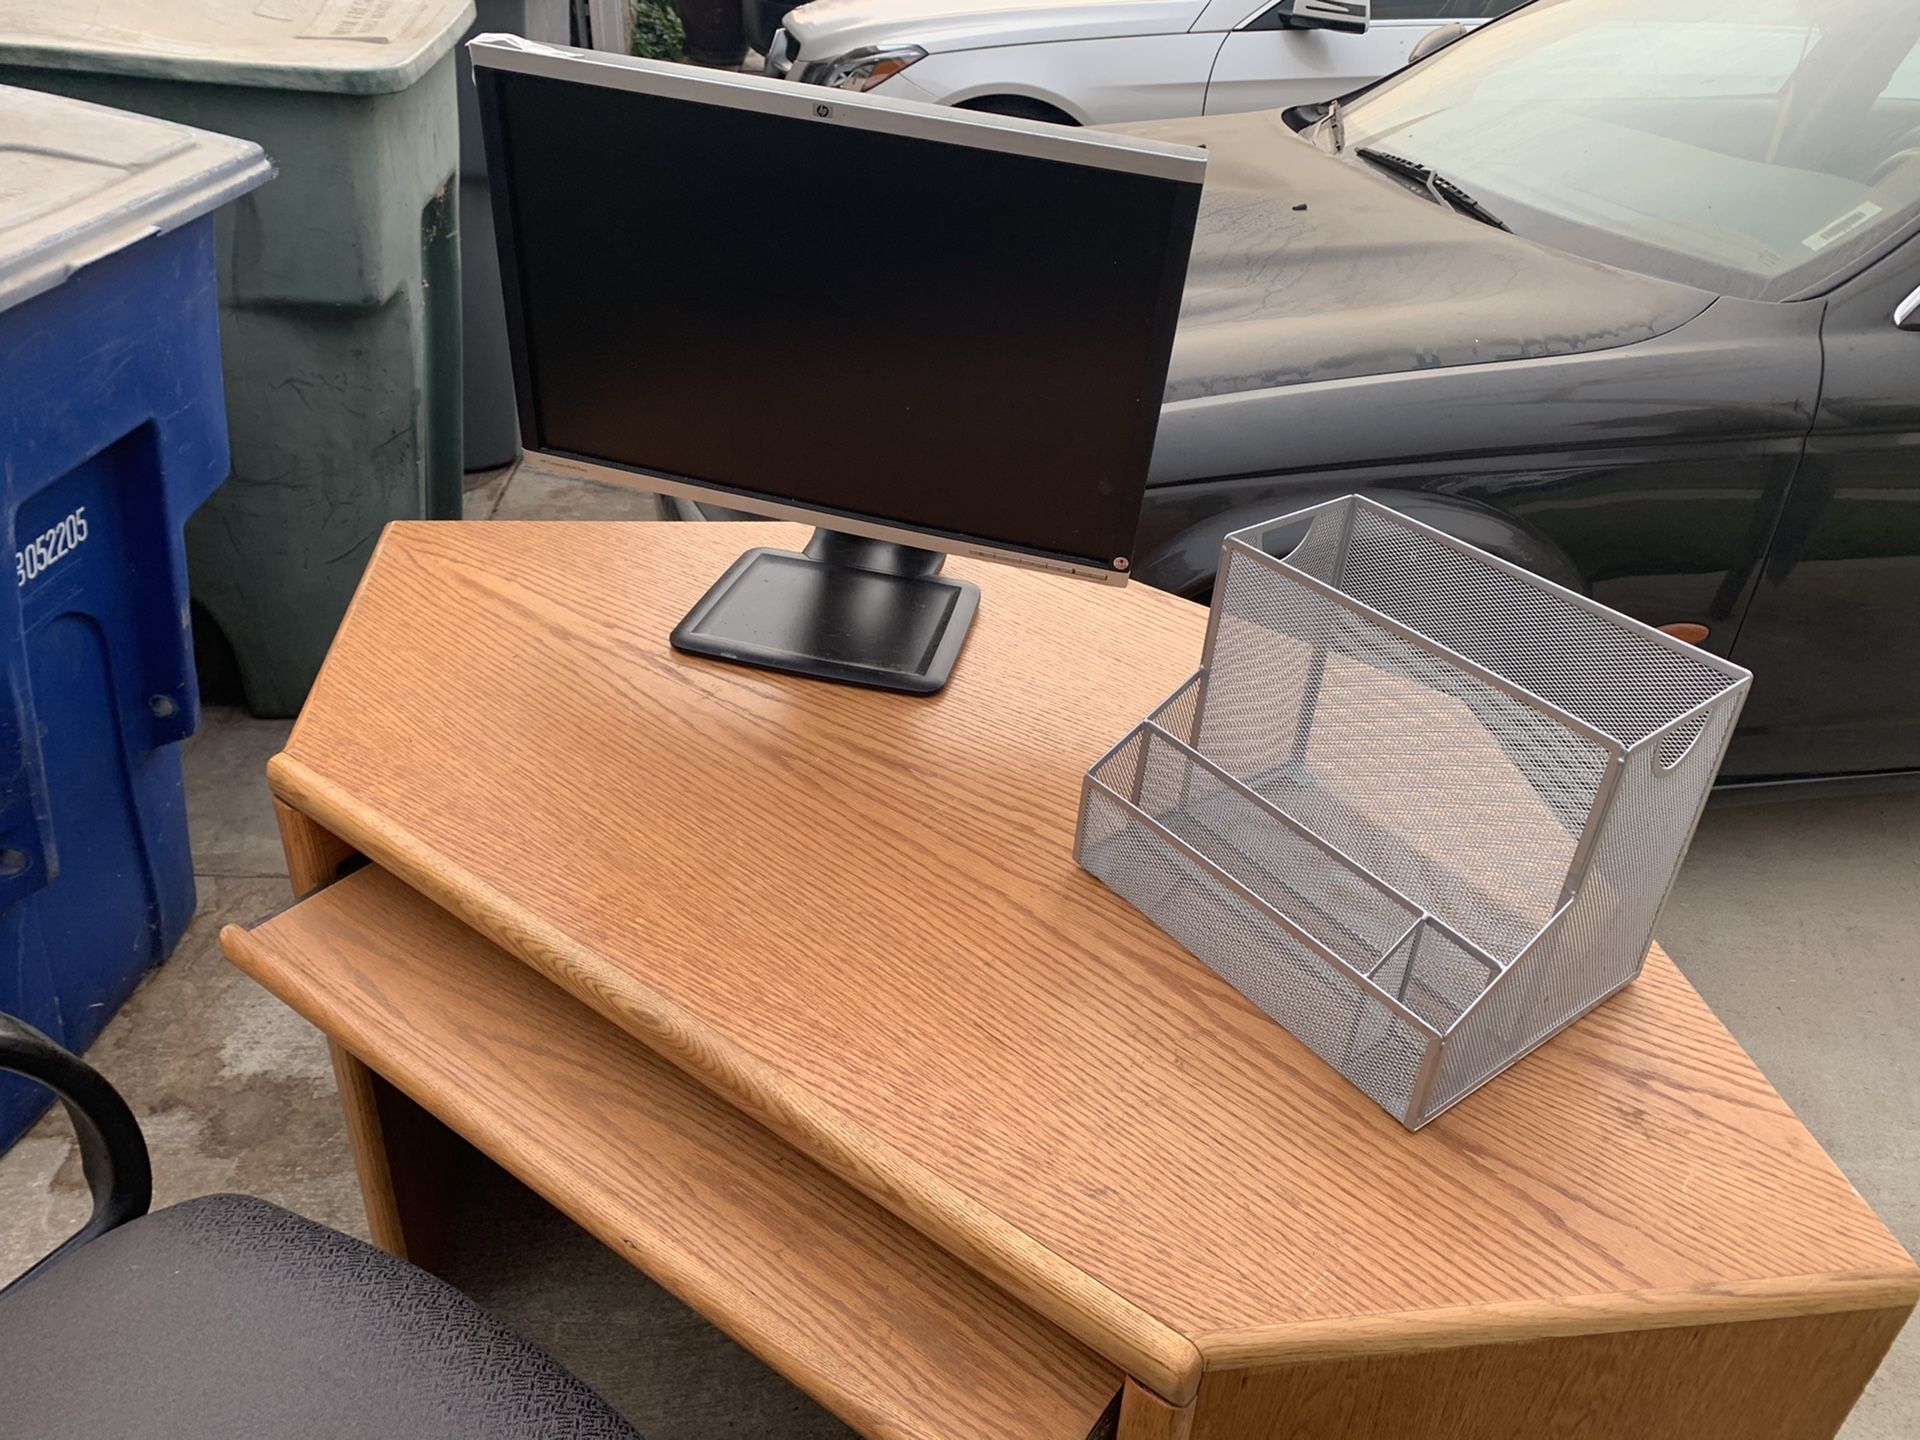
x: 657, y: 32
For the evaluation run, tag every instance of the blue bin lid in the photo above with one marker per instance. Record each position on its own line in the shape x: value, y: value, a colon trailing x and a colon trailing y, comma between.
x: 352, y: 47
x: 82, y: 181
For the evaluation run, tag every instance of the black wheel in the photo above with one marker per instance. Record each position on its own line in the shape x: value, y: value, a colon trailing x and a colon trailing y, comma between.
x: 1019, y: 106
x: 215, y: 661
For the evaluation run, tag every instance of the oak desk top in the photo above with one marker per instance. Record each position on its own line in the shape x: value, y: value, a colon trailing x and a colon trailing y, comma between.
x: 856, y: 916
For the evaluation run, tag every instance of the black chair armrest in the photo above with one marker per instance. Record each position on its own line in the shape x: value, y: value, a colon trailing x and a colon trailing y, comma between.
x: 113, y: 1153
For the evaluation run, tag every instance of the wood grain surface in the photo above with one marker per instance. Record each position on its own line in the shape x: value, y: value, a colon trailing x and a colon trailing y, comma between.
x: 857, y: 915
x: 401, y: 1154
x: 366, y: 1137
x: 855, y: 1306
x: 315, y: 856
x: 1785, y: 1379
x: 1145, y: 1416
x: 403, y: 1158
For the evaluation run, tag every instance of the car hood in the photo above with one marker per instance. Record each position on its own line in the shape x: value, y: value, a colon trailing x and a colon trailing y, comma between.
x: 833, y: 27
x: 1308, y: 266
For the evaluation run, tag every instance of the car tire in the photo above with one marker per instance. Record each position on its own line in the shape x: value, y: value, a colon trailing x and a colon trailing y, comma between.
x: 1021, y: 107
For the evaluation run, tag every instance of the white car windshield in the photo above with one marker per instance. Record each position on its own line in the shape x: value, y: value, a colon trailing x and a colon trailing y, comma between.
x: 1760, y: 148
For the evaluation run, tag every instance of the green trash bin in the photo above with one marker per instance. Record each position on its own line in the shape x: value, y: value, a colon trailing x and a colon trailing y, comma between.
x: 339, y: 284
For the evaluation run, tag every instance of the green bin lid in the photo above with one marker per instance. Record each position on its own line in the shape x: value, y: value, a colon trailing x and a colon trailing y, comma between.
x: 79, y: 182
x: 352, y: 47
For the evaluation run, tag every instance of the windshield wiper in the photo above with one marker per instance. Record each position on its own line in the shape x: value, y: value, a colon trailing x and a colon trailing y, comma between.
x: 1443, y: 190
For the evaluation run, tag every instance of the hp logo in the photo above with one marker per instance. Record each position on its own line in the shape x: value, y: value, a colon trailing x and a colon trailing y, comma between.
x: 823, y: 111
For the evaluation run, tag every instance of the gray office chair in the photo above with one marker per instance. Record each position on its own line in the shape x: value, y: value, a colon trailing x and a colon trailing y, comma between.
x: 227, y: 1318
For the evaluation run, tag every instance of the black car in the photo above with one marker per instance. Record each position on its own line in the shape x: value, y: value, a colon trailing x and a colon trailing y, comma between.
x: 1625, y: 291
x: 1622, y: 290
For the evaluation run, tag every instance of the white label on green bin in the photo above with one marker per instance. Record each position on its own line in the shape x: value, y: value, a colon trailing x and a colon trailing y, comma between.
x: 33, y: 559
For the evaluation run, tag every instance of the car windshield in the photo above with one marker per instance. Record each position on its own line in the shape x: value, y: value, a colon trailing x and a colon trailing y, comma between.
x: 1760, y: 148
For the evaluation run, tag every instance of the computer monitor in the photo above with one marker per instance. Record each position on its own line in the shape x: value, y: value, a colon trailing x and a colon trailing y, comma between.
x: 927, y: 331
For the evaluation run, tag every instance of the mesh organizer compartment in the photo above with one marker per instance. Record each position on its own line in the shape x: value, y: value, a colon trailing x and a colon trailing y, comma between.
x: 1419, y: 805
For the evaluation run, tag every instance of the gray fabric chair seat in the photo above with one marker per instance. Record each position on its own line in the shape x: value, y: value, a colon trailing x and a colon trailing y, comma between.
x: 227, y: 1318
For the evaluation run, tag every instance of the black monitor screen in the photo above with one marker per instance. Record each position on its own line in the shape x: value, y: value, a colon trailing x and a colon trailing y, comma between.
x: 949, y: 338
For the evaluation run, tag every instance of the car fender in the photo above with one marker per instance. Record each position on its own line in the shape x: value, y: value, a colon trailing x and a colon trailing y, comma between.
x: 1094, y: 80
x: 1187, y: 563
x: 1018, y: 90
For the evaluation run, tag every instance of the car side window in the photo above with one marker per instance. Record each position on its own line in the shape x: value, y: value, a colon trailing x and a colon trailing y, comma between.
x: 1424, y: 12
x: 1440, y: 11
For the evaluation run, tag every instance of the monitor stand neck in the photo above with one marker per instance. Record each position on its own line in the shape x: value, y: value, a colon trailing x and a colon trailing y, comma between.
x: 863, y: 612
x: 883, y: 557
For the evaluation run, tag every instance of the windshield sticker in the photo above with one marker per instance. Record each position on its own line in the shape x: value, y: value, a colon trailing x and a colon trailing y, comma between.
x: 1847, y: 223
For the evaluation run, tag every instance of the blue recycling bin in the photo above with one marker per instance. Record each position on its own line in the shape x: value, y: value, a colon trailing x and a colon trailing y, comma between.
x: 112, y: 430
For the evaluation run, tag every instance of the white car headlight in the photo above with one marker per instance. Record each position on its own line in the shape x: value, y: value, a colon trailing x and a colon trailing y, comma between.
x: 863, y: 69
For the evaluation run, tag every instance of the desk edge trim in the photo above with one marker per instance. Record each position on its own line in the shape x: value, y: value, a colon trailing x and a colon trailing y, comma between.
x: 1396, y: 1333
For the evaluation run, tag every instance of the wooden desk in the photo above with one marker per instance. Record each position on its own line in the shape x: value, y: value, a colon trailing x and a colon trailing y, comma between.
x: 851, y: 926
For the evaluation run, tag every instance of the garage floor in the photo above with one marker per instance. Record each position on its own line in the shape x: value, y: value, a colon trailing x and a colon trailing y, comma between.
x: 1800, y: 922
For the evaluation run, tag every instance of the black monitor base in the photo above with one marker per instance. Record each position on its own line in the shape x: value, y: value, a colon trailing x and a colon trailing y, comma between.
x: 863, y: 612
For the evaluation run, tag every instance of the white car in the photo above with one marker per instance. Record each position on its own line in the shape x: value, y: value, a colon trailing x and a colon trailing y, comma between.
x: 1091, y: 62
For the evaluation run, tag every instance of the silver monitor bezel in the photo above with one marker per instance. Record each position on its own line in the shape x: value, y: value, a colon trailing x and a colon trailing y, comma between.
x: 1004, y: 134
x: 1107, y: 150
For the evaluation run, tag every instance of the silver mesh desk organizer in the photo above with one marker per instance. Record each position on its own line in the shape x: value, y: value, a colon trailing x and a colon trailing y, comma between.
x: 1419, y: 805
